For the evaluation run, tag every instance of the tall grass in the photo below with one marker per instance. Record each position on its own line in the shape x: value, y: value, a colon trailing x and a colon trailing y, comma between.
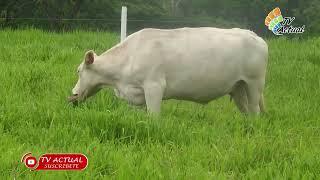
x: 188, y: 141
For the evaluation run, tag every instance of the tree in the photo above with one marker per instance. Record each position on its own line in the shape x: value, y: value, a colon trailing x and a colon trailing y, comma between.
x: 221, y: 13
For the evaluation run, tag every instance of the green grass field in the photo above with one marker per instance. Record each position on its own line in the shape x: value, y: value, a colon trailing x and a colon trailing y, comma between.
x: 188, y: 141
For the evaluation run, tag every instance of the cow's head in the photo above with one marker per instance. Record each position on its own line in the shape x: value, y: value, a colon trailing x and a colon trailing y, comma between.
x: 89, y: 82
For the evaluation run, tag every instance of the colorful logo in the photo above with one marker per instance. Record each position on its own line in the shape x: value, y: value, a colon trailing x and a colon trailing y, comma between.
x: 55, y: 162
x: 273, y: 20
x: 280, y: 25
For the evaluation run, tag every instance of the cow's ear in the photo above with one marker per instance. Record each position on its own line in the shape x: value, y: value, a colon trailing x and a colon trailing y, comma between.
x: 89, y: 57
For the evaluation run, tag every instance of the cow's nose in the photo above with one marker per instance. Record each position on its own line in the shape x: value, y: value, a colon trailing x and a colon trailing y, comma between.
x: 73, y: 99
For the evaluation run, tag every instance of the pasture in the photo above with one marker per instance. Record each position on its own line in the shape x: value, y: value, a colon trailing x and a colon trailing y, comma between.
x: 188, y: 140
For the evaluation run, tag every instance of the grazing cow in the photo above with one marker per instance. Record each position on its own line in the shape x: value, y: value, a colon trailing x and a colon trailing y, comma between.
x: 196, y: 64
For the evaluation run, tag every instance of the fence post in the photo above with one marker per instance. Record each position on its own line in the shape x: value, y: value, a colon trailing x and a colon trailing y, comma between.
x: 123, y: 23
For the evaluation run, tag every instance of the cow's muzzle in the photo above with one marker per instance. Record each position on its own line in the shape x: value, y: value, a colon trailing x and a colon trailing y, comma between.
x: 73, y: 99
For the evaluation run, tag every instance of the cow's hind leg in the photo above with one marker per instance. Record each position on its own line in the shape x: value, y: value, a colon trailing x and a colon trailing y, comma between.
x: 239, y: 96
x: 261, y: 104
x: 254, y: 91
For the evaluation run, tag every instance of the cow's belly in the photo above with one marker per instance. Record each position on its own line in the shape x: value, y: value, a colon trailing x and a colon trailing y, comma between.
x: 202, y: 94
x: 200, y: 88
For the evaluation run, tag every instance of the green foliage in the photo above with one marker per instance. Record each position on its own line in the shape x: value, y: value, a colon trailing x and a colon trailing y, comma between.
x: 244, y: 13
x: 309, y: 15
x: 188, y: 141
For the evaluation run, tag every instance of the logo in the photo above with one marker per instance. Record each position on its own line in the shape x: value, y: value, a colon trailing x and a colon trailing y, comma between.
x: 55, y: 162
x: 280, y: 25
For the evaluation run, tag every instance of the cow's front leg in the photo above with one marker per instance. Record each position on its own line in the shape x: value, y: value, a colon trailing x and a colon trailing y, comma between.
x: 153, y: 95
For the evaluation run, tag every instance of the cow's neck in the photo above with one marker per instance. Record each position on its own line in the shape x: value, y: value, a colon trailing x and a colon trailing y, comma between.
x: 111, y: 63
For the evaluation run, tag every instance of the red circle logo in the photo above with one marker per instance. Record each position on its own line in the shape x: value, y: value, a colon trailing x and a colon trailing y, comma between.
x: 30, y: 162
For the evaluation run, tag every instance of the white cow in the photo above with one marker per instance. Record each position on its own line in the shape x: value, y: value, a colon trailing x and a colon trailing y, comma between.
x: 196, y: 64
